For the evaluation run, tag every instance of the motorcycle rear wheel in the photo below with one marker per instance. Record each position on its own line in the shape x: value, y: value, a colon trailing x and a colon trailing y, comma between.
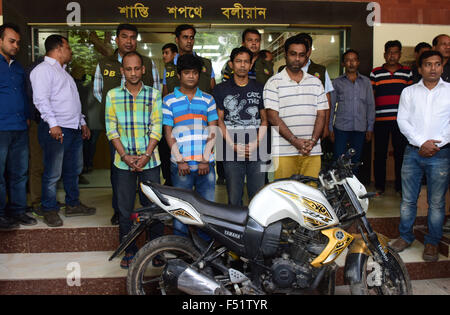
x: 389, y: 286
x: 143, y: 277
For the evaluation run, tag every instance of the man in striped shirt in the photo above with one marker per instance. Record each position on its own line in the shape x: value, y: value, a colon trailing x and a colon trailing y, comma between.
x: 133, y: 117
x: 189, y: 115
x: 388, y: 82
x: 296, y: 105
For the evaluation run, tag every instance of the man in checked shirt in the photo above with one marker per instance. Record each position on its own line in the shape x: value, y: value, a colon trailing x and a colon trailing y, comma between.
x: 133, y: 120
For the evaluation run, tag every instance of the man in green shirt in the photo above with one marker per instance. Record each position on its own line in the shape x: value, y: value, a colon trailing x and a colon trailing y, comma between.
x: 134, y: 126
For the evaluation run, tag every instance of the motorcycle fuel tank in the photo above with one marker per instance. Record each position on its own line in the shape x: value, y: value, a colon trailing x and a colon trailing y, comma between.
x: 290, y: 199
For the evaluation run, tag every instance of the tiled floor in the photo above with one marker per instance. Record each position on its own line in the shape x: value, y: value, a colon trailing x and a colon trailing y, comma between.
x: 96, y: 264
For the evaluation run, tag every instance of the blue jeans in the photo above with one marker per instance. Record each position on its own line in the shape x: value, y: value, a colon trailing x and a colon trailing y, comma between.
x: 235, y: 173
x: 437, y: 172
x: 127, y: 183
x: 64, y: 160
x: 204, y: 185
x: 112, y: 177
x: 354, y: 139
x: 13, y: 166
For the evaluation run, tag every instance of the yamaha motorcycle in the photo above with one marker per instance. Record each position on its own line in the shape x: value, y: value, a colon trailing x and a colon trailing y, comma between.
x: 286, y: 241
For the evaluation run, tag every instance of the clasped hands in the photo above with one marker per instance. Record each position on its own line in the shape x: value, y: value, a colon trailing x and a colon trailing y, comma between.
x: 136, y: 162
x: 304, y: 146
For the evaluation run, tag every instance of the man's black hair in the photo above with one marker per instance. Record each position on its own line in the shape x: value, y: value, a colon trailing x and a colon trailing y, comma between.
x: 250, y: 31
x: 429, y: 53
x: 240, y: 50
x: 422, y: 45
x: 189, y: 62
x: 53, y: 42
x: 127, y: 27
x: 437, y: 38
x: 263, y: 53
x: 133, y: 53
x: 296, y: 40
x: 183, y: 27
x: 5, y: 26
x: 171, y: 46
x: 308, y: 37
x: 348, y: 52
x: 392, y: 43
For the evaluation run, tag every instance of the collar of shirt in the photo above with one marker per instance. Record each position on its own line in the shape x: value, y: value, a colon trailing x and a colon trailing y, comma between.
x: 344, y: 76
x: 179, y: 94
x: 306, y: 67
x: 53, y: 61
x: 440, y: 83
x: 401, y: 68
x: 285, y: 75
x: 4, y: 59
x: 124, y: 87
x: 178, y: 55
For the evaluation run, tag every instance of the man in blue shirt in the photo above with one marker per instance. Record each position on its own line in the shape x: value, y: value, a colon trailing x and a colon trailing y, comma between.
x: 189, y: 118
x: 352, y: 109
x: 14, y: 119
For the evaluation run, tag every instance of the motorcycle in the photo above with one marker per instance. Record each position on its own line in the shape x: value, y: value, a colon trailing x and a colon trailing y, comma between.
x: 286, y: 241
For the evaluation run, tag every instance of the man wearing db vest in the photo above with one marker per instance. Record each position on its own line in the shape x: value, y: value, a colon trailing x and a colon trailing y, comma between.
x: 108, y: 77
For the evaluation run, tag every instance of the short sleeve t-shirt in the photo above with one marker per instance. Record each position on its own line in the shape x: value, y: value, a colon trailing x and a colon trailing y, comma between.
x: 189, y: 120
x: 241, y: 106
x: 297, y: 105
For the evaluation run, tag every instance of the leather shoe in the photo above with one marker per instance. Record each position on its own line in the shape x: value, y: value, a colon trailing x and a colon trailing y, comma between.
x: 115, y: 219
x: 430, y: 253
x: 7, y: 224
x: 400, y: 245
x: 24, y: 219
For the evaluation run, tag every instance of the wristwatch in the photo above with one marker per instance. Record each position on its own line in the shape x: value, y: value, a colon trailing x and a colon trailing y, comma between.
x: 148, y: 155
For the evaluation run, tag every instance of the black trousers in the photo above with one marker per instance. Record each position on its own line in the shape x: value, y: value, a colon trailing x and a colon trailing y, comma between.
x: 382, y: 131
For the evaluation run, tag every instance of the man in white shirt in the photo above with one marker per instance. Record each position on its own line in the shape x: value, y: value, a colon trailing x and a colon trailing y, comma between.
x: 61, y: 130
x: 296, y: 104
x: 424, y: 119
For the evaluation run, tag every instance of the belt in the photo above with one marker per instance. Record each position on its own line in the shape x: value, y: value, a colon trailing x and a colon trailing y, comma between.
x: 447, y: 146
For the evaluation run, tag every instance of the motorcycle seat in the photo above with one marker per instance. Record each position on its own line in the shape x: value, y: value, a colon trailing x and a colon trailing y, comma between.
x: 232, y: 214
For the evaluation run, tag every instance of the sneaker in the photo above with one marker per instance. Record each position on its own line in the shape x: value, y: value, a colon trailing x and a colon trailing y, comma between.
x: 79, y: 210
x: 430, y: 253
x: 24, y: 219
x: 6, y: 224
x: 52, y: 219
x: 400, y: 245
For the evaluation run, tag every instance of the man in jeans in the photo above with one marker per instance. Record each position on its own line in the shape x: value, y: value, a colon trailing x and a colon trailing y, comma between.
x: 190, y: 116
x: 61, y: 130
x: 424, y: 118
x: 243, y: 123
x: 134, y: 126
x: 352, y: 109
x: 14, y: 116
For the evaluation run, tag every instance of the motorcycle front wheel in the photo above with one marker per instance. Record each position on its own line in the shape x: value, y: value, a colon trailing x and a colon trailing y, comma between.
x: 146, y: 268
x: 377, y: 280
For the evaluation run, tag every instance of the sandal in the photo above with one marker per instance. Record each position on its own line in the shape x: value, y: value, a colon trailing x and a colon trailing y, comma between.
x: 126, y: 261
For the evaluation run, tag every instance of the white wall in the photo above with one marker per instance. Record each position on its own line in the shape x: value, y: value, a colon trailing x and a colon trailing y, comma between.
x: 407, y: 34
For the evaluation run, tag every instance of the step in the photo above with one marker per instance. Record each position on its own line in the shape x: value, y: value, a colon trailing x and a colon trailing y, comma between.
x: 95, y: 233
x: 444, y: 245
x: 48, y: 273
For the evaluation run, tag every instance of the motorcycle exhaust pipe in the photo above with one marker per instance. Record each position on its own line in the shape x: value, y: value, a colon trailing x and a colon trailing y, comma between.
x: 179, y: 275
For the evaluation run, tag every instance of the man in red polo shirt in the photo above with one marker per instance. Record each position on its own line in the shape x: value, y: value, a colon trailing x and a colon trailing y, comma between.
x: 388, y: 82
